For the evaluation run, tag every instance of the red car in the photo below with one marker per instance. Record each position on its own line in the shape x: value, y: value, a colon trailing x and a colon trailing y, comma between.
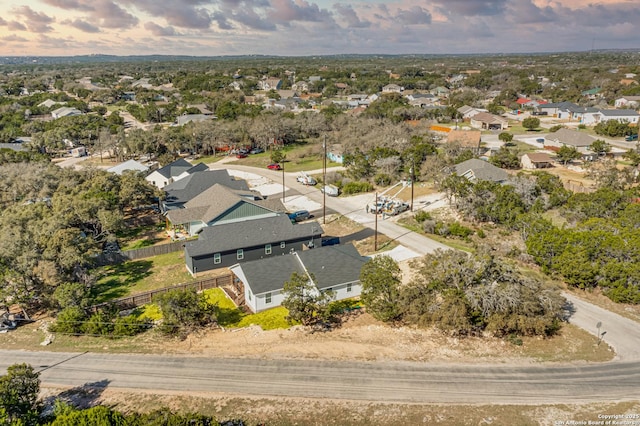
x: 241, y: 155
x: 274, y: 166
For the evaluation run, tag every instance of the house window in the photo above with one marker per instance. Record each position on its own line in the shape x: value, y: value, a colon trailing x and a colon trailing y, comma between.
x: 282, y: 245
x: 267, y: 249
x: 217, y: 258
x: 240, y: 254
x: 348, y: 287
x: 267, y: 298
x: 250, y: 296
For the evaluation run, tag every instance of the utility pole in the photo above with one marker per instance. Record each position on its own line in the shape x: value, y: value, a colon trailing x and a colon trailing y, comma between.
x: 324, y: 180
x: 412, y: 179
x: 283, y: 180
x: 375, y: 234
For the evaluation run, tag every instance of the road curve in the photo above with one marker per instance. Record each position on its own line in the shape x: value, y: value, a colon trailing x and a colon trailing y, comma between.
x: 401, y: 382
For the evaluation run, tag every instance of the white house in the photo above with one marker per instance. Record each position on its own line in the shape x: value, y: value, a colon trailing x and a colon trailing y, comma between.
x: 128, y: 165
x: 167, y: 174
x: 392, y: 88
x: 627, y: 102
x: 567, y: 137
x: 65, y: 112
x: 334, y: 269
x: 621, y: 115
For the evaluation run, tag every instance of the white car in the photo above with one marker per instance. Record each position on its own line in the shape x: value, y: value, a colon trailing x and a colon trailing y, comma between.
x: 307, y: 180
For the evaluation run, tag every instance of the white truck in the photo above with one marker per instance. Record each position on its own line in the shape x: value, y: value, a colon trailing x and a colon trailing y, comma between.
x: 305, y: 179
x: 331, y: 190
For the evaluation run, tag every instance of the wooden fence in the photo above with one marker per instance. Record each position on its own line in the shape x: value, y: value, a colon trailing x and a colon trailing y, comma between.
x: 141, y: 253
x: 140, y: 299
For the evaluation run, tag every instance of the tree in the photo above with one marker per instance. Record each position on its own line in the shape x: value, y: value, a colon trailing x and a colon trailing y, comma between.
x: 505, y: 158
x: 505, y: 137
x: 633, y: 156
x: 567, y: 153
x: 600, y: 147
x: 278, y: 156
x: 184, y: 310
x: 19, y: 390
x: 381, y: 278
x: 303, y: 300
x: 531, y: 123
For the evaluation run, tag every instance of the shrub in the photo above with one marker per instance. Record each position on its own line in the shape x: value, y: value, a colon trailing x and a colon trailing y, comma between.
x: 481, y: 233
x: 460, y: 230
x: 129, y: 326
x: 421, y: 216
x: 70, y: 320
x: 99, y: 324
x: 356, y: 187
x: 382, y: 179
x: 429, y: 226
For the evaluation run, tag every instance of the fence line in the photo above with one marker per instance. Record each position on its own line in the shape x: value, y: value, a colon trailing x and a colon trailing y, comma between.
x: 141, y: 253
x: 140, y: 299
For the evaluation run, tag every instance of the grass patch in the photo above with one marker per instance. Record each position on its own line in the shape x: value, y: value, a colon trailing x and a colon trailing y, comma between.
x: 268, y: 320
x: 137, y: 276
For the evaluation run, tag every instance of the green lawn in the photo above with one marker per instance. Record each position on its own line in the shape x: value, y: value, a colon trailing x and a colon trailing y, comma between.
x: 232, y: 317
x: 299, y: 158
x: 137, y: 276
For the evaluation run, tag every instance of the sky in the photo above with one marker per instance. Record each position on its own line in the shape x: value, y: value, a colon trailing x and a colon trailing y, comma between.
x: 314, y: 27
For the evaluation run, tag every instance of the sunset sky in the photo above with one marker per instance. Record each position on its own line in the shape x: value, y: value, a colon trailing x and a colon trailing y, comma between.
x: 314, y: 27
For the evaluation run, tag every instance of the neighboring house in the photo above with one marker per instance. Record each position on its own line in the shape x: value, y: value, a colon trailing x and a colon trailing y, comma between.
x: 536, y: 160
x: 621, y: 115
x: 128, y: 165
x: 333, y: 268
x: 392, y: 88
x: 584, y: 115
x: 215, y: 206
x: 422, y: 99
x: 475, y: 170
x: 486, y: 121
x: 628, y: 81
x: 270, y: 84
x: 167, y: 174
x: 178, y: 193
x: 466, y: 138
x: 441, y: 91
x: 16, y: 146
x: 466, y: 112
x: 65, y: 112
x: 49, y: 103
x: 300, y: 86
x: 627, y: 102
x: 567, y: 137
x: 128, y: 96
x: 558, y: 109
x: 592, y: 94
x: 335, y: 154
x: 183, y: 119
x: 227, y: 244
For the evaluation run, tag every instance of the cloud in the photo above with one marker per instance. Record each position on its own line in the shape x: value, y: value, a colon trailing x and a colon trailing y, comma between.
x: 286, y: 11
x: 472, y: 7
x: 222, y: 21
x: 82, y: 25
x: 37, y: 22
x: 160, y: 31
x: 110, y: 15
x: 16, y: 26
x: 184, y: 14
x: 414, y: 16
x: 526, y: 12
x: 69, y: 4
x: 13, y: 38
x: 350, y: 16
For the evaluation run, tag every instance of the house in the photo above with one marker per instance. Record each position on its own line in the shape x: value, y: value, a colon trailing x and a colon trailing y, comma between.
x: 567, y: 137
x: 557, y: 109
x: 628, y: 81
x: 128, y: 165
x: 214, y: 206
x: 441, y: 92
x: 49, y: 103
x: 183, y: 119
x: 270, y: 84
x: 475, y: 170
x: 592, y: 94
x: 228, y: 243
x: 128, y: 96
x: 332, y: 268
x: 628, y: 102
x: 336, y: 154
x: 65, y: 112
x: 466, y: 138
x: 467, y: 112
x: 422, y: 99
x: 392, y: 88
x: 180, y: 192
x: 621, y: 115
x: 167, y: 174
x: 487, y: 121
x: 536, y: 160
x: 584, y: 115
x: 300, y: 86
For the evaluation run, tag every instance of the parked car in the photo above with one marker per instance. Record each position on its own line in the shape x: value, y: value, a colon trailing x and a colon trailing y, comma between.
x: 256, y: 151
x: 299, y: 216
x: 330, y: 241
x: 630, y: 138
x: 306, y: 180
x: 241, y: 155
x: 540, y: 140
x: 274, y: 166
x: 330, y: 190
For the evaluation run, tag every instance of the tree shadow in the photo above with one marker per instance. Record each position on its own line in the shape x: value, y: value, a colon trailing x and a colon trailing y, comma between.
x: 121, y: 277
x: 84, y: 396
x: 568, y: 309
x: 227, y: 317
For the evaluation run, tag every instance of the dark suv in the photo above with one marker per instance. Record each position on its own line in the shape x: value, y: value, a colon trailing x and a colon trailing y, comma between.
x: 299, y: 216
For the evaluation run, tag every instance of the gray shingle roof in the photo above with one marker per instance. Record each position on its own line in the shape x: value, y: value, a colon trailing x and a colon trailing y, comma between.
x: 330, y: 266
x: 250, y: 233
x: 571, y: 137
x: 207, y: 205
x: 176, y: 168
x: 619, y: 113
x: 128, y: 165
x: 475, y: 169
x: 191, y: 186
